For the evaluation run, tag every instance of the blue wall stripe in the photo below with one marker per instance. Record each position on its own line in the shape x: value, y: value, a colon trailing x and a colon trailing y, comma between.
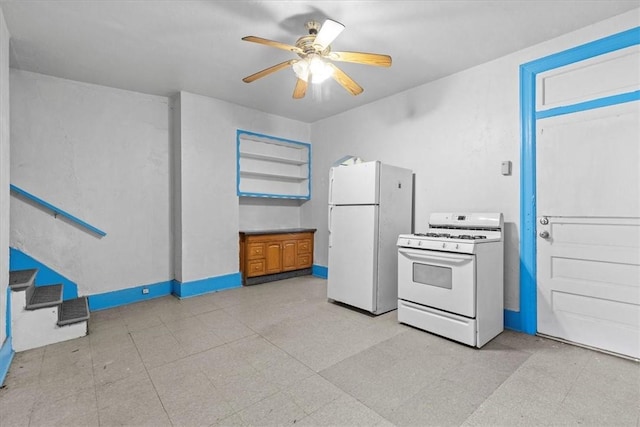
x: 203, y: 286
x: 590, y: 105
x: 19, y: 260
x: 57, y: 210
x: 528, y: 281
x: 6, y: 356
x: 320, y: 271
x: 128, y: 296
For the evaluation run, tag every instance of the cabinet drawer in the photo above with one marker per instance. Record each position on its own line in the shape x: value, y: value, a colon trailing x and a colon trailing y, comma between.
x: 255, y: 250
x: 304, y: 246
x: 255, y: 268
x: 304, y: 261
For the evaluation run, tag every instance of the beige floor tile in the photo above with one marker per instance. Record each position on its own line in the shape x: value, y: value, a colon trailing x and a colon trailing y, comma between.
x: 187, y: 395
x: 313, y: 392
x: 16, y: 403
x: 157, y: 346
x: 346, y: 411
x: 78, y: 409
x: 276, y: 410
x: 130, y: 401
x: 225, y: 326
x: 222, y: 365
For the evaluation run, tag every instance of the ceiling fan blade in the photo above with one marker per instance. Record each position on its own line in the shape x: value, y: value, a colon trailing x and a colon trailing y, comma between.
x: 328, y: 33
x: 300, y: 89
x: 376, y: 59
x: 267, y: 71
x: 345, y: 81
x: 272, y: 43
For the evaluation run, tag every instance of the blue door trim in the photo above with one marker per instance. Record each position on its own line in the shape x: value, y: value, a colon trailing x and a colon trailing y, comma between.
x: 526, y: 321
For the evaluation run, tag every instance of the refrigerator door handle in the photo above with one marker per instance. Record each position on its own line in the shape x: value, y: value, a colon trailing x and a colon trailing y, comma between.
x: 330, y: 216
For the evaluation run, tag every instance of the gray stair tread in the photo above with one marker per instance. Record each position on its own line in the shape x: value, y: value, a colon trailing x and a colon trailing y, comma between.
x: 21, y: 279
x: 45, y: 296
x: 73, y: 311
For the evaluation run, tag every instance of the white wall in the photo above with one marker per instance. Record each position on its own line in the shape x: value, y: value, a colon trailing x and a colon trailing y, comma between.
x: 211, y: 214
x: 453, y: 133
x: 4, y: 173
x: 101, y: 154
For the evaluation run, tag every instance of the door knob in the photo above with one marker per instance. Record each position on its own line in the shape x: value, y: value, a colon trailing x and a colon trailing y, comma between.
x: 544, y: 234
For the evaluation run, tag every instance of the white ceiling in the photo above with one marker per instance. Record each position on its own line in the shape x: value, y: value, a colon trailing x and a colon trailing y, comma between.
x: 161, y: 47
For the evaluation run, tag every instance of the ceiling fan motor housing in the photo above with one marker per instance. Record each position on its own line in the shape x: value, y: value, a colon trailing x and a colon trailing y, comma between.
x: 312, y: 27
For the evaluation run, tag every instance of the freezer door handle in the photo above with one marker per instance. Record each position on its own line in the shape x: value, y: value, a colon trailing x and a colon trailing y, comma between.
x: 331, y: 185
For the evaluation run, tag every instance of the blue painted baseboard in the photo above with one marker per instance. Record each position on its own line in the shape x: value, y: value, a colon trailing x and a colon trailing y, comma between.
x: 6, y: 356
x: 19, y: 260
x: 156, y: 290
x: 320, y: 271
x: 204, y: 286
x: 512, y: 320
x: 129, y: 295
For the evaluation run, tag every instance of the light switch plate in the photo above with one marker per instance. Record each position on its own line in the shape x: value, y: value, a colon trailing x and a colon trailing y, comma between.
x: 506, y: 167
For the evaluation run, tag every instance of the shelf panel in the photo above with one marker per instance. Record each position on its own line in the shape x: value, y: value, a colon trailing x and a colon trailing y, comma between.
x: 275, y: 176
x: 272, y: 158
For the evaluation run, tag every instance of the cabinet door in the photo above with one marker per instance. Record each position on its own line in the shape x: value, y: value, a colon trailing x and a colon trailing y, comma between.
x: 274, y: 258
x: 289, y: 248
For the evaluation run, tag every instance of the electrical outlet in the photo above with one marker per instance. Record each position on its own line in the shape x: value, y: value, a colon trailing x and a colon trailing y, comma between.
x: 145, y: 291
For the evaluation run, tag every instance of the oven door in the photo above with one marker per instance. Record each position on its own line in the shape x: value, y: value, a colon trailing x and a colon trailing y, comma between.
x: 442, y: 280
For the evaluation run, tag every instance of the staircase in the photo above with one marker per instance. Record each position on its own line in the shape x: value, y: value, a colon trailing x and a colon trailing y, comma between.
x: 40, y: 316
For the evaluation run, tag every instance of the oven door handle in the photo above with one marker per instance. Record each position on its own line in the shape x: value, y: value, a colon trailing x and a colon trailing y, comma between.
x: 425, y: 255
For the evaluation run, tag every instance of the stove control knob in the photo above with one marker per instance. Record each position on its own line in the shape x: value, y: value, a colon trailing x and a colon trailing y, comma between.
x: 419, y: 243
x: 408, y: 242
x: 444, y: 245
x: 457, y: 246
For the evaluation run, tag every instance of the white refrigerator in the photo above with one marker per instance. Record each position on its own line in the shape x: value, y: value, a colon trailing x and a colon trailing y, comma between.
x: 370, y: 204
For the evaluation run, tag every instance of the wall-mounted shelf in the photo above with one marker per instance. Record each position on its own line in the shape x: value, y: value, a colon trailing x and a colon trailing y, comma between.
x: 272, y: 167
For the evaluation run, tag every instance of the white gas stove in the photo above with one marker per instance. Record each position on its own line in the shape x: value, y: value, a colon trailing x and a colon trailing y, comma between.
x: 450, y: 278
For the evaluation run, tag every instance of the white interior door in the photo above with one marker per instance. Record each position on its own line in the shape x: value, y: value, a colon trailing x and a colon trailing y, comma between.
x: 588, y: 225
x: 353, y: 254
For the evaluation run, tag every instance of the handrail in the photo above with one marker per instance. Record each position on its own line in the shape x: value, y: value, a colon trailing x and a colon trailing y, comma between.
x: 57, y: 211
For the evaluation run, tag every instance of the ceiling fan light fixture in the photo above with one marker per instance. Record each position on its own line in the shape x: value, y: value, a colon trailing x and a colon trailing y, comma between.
x: 313, y: 69
x: 301, y: 68
x: 319, y: 69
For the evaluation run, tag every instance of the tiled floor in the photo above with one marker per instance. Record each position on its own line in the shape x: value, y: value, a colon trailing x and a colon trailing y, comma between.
x: 280, y: 354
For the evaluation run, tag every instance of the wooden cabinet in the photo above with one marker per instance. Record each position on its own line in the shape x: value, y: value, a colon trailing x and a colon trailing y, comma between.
x: 275, y: 255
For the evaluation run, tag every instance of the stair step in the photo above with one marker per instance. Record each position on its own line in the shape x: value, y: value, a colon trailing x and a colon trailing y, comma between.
x: 73, y: 311
x: 20, y: 280
x: 43, y: 296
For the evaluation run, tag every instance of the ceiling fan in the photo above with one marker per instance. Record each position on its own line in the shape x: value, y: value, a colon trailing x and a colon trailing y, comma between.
x: 314, y: 64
